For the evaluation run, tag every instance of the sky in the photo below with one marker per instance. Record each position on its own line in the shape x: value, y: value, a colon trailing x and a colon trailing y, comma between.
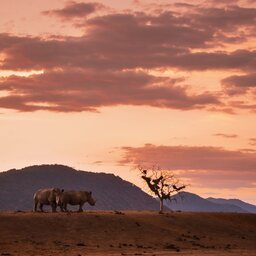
x: 106, y: 86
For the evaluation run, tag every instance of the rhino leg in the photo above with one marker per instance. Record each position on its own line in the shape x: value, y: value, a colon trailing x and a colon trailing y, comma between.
x: 64, y: 206
x: 61, y: 208
x: 54, y: 206
x: 41, y: 207
x: 80, y: 207
x: 35, y: 205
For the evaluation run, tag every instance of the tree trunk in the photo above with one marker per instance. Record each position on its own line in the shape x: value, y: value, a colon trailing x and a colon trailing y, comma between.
x: 161, y: 205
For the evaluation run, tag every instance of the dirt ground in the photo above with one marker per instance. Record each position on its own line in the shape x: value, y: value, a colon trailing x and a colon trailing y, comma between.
x: 127, y: 233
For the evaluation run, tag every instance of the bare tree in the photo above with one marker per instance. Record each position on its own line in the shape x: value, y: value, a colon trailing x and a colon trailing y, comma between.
x: 161, y: 183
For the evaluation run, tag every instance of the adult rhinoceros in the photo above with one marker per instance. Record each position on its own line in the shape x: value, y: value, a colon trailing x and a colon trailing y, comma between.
x: 46, y: 196
x: 74, y: 198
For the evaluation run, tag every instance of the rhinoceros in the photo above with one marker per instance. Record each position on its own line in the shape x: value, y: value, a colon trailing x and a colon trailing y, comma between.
x: 74, y: 198
x: 46, y: 196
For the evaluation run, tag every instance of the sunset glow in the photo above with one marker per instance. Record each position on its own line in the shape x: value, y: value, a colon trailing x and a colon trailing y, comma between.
x: 109, y: 85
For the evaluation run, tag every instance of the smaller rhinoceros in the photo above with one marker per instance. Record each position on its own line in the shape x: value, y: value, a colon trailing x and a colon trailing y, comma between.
x: 46, y: 196
x: 74, y: 198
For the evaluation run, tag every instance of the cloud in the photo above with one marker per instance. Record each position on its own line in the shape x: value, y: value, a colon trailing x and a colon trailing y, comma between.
x: 190, y: 158
x: 98, y: 162
x: 129, y: 40
x: 215, y: 166
x: 226, y: 19
x: 224, y: 135
x: 236, y: 60
x: 104, y: 50
x: 75, y: 10
x: 222, y: 2
x: 239, y: 84
x: 85, y: 90
x: 116, y: 45
x: 224, y: 109
x: 252, y: 141
x: 241, y: 104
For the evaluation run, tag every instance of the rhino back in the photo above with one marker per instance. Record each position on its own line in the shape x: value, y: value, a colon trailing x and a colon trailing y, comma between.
x: 73, y: 197
x: 42, y: 195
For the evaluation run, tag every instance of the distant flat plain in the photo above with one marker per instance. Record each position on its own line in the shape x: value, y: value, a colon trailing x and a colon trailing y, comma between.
x: 127, y: 233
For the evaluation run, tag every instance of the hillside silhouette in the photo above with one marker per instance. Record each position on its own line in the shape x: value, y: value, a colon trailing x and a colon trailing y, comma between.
x: 112, y: 193
x: 185, y: 201
x: 17, y: 188
x: 248, y: 207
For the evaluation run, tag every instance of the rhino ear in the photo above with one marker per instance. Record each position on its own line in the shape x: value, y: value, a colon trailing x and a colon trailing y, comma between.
x: 62, y: 190
x: 90, y: 192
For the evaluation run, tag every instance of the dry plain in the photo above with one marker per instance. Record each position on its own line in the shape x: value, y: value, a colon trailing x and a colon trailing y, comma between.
x: 127, y: 233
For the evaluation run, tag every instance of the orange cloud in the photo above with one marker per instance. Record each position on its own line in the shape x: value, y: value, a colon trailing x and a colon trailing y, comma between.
x: 215, y: 166
x: 87, y: 72
x: 99, y: 51
x: 75, y: 10
x: 84, y: 90
x: 252, y: 141
x: 240, y: 84
x: 224, y: 135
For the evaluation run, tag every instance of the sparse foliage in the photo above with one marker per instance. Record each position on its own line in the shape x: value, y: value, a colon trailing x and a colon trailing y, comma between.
x: 162, y: 183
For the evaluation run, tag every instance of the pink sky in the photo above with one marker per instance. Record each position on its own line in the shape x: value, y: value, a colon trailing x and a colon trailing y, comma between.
x: 107, y: 85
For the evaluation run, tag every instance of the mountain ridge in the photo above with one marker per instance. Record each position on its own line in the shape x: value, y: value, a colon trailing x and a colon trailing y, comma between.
x: 112, y: 193
x: 244, y: 205
x: 185, y: 201
x: 17, y: 187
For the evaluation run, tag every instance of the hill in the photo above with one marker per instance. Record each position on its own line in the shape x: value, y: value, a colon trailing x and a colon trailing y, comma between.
x: 127, y: 233
x: 248, y: 207
x: 185, y: 201
x: 112, y: 193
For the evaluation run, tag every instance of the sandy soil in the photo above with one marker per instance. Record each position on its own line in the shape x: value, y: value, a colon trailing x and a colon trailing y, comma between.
x: 127, y: 233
